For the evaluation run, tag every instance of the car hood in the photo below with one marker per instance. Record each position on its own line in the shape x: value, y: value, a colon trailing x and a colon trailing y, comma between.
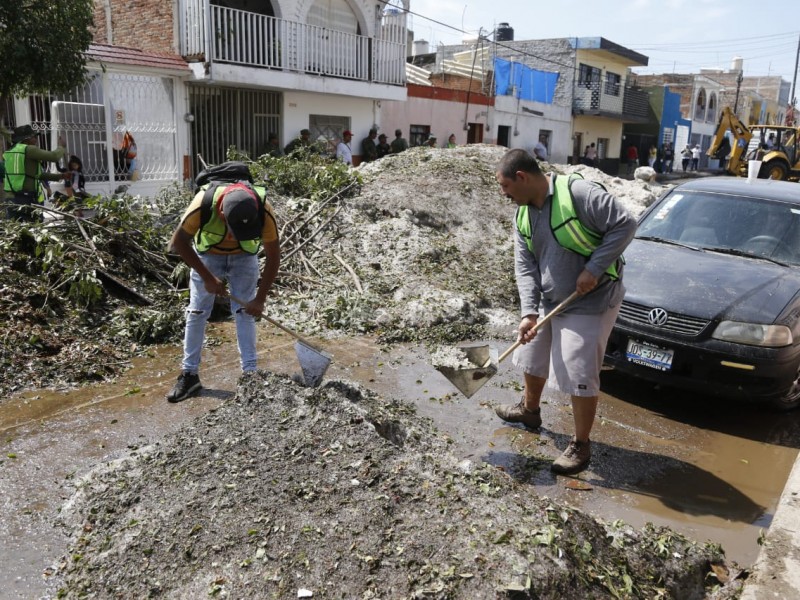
x: 707, y: 285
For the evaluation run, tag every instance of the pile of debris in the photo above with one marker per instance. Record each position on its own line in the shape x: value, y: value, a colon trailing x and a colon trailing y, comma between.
x: 80, y: 296
x: 335, y: 492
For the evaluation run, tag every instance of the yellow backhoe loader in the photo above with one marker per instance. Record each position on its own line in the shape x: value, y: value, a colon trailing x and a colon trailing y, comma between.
x: 776, y: 146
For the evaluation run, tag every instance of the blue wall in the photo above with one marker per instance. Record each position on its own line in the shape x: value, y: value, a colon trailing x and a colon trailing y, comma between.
x: 671, y: 115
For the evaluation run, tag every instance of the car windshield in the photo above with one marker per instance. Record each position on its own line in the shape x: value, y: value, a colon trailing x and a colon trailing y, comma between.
x: 748, y: 226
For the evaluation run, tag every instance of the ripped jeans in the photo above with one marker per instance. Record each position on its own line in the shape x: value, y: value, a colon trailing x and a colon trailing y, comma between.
x: 241, y: 273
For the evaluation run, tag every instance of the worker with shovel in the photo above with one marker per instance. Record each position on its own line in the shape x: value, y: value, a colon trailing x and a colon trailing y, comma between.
x: 219, y: 237
x: 569, y: 237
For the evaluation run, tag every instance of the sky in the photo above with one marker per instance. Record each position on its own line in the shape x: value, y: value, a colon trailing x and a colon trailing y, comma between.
x: 680, y: 36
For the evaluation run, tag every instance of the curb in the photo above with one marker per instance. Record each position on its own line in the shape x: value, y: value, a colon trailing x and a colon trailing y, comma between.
x: 776, y: 573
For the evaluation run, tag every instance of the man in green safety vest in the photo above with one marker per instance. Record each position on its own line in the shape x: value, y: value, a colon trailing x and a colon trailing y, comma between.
x: 569, y: 237
x: 22, y: 181
x: 220, y: 236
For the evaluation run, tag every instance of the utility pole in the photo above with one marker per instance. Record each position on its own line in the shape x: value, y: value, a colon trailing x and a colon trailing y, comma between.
x: 792, y: 98
x: 739, y: 79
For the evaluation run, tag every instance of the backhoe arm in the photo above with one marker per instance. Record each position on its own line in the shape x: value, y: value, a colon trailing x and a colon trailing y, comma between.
x: 728, y: 121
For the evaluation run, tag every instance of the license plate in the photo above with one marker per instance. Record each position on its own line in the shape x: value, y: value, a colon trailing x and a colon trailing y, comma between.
x: 649, y: 356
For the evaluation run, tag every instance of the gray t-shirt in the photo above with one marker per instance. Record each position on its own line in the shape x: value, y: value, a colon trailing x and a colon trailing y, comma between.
x: 549, y: 274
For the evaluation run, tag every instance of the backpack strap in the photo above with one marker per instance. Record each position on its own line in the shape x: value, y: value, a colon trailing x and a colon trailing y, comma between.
x: 205, y: 205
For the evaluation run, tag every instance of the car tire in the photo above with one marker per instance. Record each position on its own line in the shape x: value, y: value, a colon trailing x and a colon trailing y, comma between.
x: 774, y: 169
x: 790, y: 399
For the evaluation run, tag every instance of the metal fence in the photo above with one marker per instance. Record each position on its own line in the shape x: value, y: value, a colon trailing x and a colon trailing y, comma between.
x: 225, y: 117
x: 217, y: 33
x: 600, y: 98
x: 92, y: 120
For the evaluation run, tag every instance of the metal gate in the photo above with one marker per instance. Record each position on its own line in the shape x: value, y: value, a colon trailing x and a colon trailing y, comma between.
x: 225, y: 117
x: 94, y: 118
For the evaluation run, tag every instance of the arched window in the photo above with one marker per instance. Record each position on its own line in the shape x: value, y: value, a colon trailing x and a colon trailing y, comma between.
x: 700, y: 106
x: 711, y: 115
x: 333, y: 14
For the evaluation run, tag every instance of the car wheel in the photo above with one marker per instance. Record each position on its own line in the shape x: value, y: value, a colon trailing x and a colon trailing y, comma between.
x: 790, y: 399
x: 774, y: 170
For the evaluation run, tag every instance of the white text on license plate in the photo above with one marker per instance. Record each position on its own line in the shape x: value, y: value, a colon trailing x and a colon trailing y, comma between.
x: 649, y: 356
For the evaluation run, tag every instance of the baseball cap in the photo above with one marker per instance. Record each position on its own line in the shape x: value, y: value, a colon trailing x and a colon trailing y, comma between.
x: 347, y: 132
x: 241, y: 209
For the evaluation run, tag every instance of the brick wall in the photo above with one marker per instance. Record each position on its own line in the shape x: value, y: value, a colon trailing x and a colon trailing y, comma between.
x: 455, y: 82
x: 146, y: 25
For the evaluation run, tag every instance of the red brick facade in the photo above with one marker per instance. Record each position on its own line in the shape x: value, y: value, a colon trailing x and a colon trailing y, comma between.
x: 143, y: 24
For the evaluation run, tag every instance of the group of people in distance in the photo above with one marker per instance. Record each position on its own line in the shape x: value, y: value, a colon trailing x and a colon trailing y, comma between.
x: 373, y: 147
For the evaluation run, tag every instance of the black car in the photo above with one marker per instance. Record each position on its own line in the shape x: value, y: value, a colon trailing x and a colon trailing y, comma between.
x: 713, y: 291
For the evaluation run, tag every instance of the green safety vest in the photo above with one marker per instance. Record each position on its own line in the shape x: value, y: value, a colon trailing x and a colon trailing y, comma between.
x: 15, y: 176
x: 213, y: 229
x: 569, y: 232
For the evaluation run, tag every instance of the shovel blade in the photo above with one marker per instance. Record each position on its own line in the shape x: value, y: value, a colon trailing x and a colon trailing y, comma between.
x: 469, y: 380
x: 314, y: 363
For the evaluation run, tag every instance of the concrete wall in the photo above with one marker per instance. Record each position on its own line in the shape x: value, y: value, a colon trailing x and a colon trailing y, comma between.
x: 592, y: 128
x: 525, y: 126
x: 297, y: 106
x: 442, y: 116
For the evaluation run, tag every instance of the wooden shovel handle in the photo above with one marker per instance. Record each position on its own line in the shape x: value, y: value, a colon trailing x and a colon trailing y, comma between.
x: 541, y: 322
x: 292, y: 333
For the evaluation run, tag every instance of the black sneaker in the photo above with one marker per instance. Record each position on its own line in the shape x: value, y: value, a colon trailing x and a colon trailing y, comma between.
x: 517, y: 413
x: 188, y: 385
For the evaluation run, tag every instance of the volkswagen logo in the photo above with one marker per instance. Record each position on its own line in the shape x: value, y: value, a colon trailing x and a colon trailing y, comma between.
x: 657, y: 316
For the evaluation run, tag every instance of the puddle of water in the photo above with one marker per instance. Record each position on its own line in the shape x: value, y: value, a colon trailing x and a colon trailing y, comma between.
x: 721, y: 483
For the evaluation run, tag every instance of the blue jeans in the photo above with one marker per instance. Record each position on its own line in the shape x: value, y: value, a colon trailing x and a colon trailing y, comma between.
x: 241, y: 273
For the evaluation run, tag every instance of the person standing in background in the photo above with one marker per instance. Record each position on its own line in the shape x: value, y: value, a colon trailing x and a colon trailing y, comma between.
x: 633, y: 159
x: 540, y: 149
x: 24, y: 181
x: 343, y: 151
x: 399, y: 143
x: 369, y: 151
x: 383, y: 147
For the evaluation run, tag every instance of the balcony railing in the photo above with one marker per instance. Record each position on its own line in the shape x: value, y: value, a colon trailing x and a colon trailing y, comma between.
x: 609, y: 100
x: 219, y: 34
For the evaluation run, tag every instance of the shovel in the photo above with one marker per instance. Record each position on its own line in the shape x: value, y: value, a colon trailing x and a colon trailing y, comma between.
x: 313, y: 360
x: 484, y: 359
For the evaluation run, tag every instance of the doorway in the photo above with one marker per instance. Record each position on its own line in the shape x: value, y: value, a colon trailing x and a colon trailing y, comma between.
x: 503, y: 135
x: 475, y: 133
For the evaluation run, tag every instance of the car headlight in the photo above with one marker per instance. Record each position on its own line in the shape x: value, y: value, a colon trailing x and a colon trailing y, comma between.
x: 753, y: 334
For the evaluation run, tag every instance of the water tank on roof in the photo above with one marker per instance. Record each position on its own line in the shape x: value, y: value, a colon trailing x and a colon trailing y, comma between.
x: 737, y: 64
x: 504, y: 33
x: 421, y: 47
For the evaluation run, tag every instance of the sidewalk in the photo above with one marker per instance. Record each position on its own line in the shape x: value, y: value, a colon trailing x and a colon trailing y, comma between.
x: 776, y: 573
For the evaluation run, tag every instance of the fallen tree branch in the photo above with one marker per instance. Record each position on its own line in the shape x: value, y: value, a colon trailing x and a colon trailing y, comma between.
x: 316, y: 212
x: 311, y: 237
x: 350, y: 270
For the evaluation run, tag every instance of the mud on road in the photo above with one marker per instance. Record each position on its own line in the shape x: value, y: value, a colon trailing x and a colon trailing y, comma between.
x: 150, y: 508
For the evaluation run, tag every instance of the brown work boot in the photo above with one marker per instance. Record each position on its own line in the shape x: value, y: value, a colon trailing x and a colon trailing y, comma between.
x: 574, y: 459
x: 517, y: 413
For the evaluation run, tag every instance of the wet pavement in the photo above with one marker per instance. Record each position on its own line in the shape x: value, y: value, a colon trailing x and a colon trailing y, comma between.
x: 712, y: 470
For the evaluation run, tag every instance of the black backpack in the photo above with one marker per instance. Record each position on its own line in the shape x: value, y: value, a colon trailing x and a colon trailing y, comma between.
x: 232, y: 171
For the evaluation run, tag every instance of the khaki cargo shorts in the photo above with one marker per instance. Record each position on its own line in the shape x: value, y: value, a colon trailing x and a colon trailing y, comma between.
x: 568, y: 351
